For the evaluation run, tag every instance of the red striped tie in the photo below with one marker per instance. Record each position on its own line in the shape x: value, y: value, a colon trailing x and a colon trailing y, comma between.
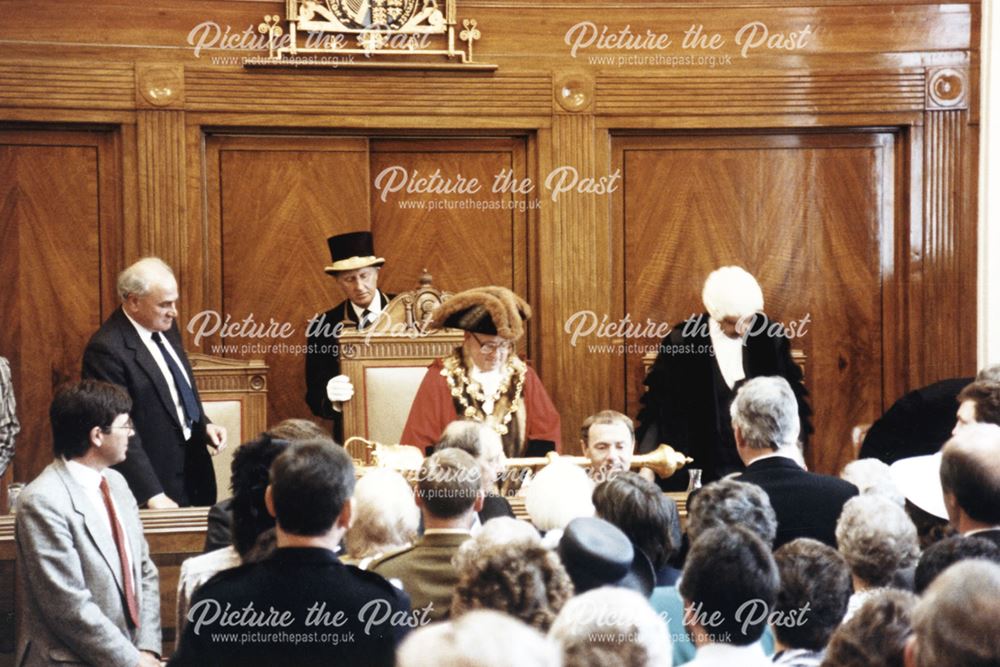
x: 116, y: 531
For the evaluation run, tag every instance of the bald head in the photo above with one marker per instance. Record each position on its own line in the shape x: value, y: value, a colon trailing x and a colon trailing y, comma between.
x: 970, y: 475
x: 149, y: 295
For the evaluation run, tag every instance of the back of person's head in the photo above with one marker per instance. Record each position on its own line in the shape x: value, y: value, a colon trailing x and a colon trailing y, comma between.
x: 876, y: 635
x: 524, y: 580
x: 989, y: 374
x: 497, y: 532
x: 639, y: 508
x: 815, y: 590
x: 481, y: 639
x: 462, y: 434
x: 766, y: 413
x: 251, y: 468
x: 941, y: 555
x: 872, y: 476
x: 297, y: 429
x: 731, y: 572
x: 559, y: 493
x: 310, y: 483
x: 955, y: 623
x: 611, y: 626
x: 384, y: 515
x: 731, y: 291
x: 78, y: 408
x: 985, y: 395
x: 970, y: 471
x: 449, y: 483
x: 877, y: 538
x: 727, y: 503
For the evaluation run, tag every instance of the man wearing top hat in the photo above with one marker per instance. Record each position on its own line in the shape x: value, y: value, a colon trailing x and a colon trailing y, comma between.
x: 355, y: 268
x: 484, y: 379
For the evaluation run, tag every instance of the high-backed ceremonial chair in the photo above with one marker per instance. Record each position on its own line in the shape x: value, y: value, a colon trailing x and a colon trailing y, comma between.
x: 234, y: 395
x: 387, y: 362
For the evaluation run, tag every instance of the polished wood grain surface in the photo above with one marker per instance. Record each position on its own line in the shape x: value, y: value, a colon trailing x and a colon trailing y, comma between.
x: 860, y: 141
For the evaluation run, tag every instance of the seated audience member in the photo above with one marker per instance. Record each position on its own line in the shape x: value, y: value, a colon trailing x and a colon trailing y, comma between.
x: 9, y: 426
x: 484, y: 379
x: 955, y: 623
x: 89, y: 588
x: 310, y: 498
x: 611, y: 626
x: 482, y: 443
x: 449, y: 495
x: 559, y: 493
x: 939, y: 557
x: 251, y: 468
x: 970, y: 481
x: 918, y: 478
x: 480, y: 638
x: 218, y: 535
x: 876, y: 635
x: 877, y: 539
x: 765, y: 418
x: 978, y: 402
x: 646, y: 516
x: 385, y: 517
x: 872, y: 476
x: 595, y: 553
x: 729, y: 587
x: 607, y: 438
x: 526, y: 581
x: 815, y: 588
x: 722, y: 504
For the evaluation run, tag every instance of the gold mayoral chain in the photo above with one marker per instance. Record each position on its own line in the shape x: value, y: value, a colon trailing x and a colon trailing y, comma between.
x: 462, y: 388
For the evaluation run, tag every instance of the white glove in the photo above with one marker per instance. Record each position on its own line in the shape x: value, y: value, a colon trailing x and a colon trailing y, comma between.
x: 339, y: 389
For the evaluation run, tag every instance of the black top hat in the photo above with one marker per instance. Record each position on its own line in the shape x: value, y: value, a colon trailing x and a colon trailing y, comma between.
x: 596, y: 553
x: 354, y: 250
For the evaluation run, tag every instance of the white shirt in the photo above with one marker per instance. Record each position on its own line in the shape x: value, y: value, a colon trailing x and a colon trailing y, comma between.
x: 490, y: 382
x: 374, y: 309
x: 729, y: 655
x: 90, y: 480
x: 147, y: 339
x: 728, y: 353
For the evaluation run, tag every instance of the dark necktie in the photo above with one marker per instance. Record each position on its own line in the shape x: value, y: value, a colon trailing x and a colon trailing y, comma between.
x: 116, y: 531
x: 188, y: 401
x: 365, y: 319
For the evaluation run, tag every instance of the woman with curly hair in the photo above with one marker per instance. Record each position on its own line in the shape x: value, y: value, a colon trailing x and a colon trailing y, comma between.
x: 519, y: 578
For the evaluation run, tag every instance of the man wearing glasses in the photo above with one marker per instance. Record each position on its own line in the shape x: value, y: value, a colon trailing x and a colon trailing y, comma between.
x: 90, y: 590
x: 484, y: 379
x: 355, y: 268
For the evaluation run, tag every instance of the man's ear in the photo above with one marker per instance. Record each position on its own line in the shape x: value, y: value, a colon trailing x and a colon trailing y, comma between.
x: 910, y: 652
x: 583, y: 448
x: 346, y: 514
x: 96, y: 436
x: 269, y: 501
x: 480, y: 499
x: 738, y: 436
x: 417, y: 498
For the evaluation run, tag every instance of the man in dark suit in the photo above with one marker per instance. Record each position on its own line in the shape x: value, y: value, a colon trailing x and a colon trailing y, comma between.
x: 355, y: 268
x: 139, y: 348
x: 699, y: 367
x: 765, y: 424
x: 970, y: 480
x: 302, y: 606
x: 90, y: 590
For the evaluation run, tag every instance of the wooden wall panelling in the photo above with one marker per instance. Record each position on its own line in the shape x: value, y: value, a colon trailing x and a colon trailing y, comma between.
x: 162, y: 194
x: 66, y: 83
x: 583, y: 382
x: 273, y: 201
x: 460, y: 245
x: 798, y: 209
x: 60, y: 219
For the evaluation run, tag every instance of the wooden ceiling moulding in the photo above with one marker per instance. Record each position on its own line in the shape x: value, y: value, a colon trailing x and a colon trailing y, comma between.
x: 376, y: 34
x: 805, y: 93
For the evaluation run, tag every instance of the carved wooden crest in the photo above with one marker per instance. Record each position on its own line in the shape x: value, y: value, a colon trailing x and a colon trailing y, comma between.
x: 398, y: 34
